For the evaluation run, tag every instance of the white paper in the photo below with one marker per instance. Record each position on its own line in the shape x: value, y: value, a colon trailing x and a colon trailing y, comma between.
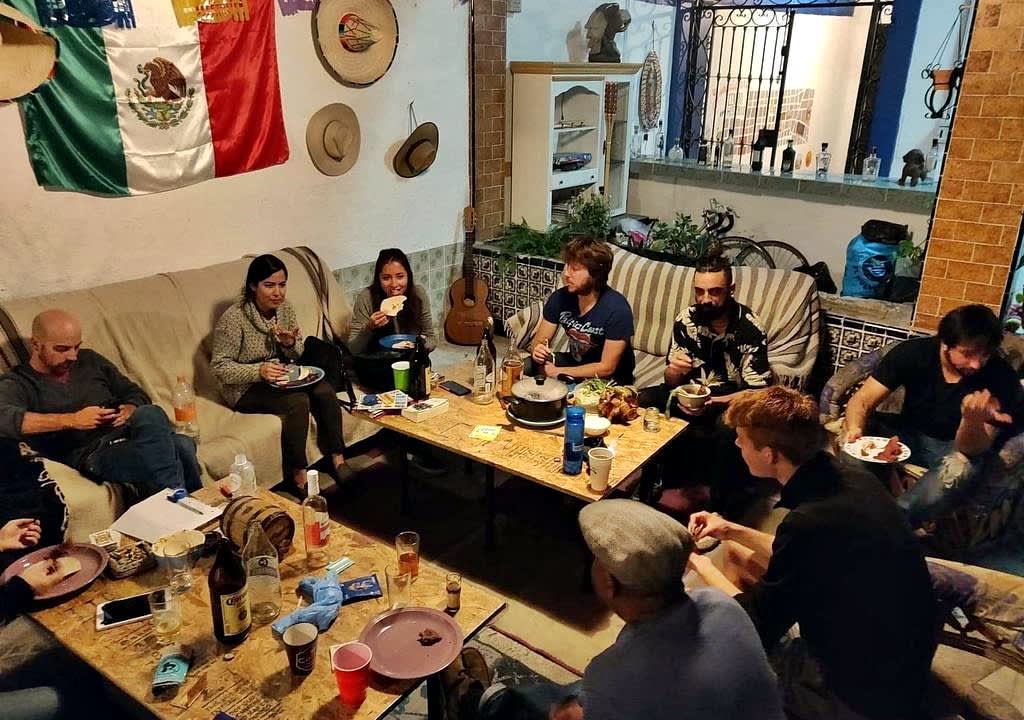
x: 157, y: 516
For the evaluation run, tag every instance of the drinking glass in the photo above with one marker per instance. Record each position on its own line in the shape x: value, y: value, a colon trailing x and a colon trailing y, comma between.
x: 165, y: 607
x: 398, y: 583
x: 453, y: 591
x: 407, y: 544
x: 179, y: 567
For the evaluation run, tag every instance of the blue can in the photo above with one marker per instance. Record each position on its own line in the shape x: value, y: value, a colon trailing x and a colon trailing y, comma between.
x: 572, y: 452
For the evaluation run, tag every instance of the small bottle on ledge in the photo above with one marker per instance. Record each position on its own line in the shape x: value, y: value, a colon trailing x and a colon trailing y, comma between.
x: 676, y: 153
x: 756, y: 155
x: 872, y: 165
x: 702, y: 152
x: 728, y: 146
x: 788, y: 159
x: 822, y: 161
x: 932, y: 162
x: 660, y: 140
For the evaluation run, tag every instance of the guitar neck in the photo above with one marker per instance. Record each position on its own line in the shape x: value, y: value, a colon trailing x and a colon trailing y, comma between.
x: 468, y: 273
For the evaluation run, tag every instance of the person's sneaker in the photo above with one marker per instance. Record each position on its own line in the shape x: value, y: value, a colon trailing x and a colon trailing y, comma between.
x: 475, y: 666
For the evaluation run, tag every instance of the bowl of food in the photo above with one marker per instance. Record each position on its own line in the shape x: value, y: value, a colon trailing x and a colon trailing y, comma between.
x: 693, y: 395
x: 594, y: 425
x: 588, y: 394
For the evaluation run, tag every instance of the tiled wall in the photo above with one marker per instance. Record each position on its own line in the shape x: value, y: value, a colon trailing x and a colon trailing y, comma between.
x: 982, y: 189
x: 849, y: 338
x: 514, y: 286
x: 433, y: 270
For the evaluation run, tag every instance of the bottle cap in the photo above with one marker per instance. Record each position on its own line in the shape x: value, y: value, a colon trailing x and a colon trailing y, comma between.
x: 575, y: 412
x: 240, y: 459
x: 312, y: 482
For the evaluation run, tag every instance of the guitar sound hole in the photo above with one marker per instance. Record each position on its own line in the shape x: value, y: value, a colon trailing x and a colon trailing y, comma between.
x: 468, y: 302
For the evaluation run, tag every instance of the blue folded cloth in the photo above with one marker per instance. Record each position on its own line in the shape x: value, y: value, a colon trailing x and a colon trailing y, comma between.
x: 325, y: 597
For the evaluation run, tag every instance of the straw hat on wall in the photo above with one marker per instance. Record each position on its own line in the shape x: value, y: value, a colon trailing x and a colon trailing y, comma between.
x: 333, y: 138
x: 357, y: 38
x: 418, y: 151
x: 28, y: 55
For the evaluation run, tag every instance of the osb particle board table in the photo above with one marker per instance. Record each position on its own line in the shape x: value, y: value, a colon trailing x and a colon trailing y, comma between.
x: 256, y: 684
x: 534, y: 455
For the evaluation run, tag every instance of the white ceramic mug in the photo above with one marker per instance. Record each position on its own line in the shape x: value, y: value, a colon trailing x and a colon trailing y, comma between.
x: 600, y: 467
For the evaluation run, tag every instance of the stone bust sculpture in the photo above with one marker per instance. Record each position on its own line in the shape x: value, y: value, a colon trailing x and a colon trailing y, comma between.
x: 604, y: 24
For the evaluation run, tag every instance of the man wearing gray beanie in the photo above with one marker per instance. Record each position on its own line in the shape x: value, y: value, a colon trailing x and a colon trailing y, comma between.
x: 680, y: 656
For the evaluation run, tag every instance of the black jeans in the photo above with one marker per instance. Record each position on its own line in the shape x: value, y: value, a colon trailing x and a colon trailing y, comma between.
x: 294, y: 407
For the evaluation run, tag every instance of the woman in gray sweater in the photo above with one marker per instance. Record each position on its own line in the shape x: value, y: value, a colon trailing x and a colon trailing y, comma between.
x: 392, y: 276
x: 251, y: 340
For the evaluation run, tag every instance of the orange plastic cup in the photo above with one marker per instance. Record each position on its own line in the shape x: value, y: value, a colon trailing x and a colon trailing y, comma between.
x: 351, y: 665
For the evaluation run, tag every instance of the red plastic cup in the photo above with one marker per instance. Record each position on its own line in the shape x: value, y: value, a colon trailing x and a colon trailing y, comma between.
x: 351, y: 664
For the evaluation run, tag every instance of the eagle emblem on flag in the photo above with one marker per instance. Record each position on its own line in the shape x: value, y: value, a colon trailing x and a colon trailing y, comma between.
x: 161, y: 98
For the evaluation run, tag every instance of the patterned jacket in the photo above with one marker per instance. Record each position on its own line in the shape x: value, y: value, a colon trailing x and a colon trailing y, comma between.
x: 727, y: 363
x: 242, y: 341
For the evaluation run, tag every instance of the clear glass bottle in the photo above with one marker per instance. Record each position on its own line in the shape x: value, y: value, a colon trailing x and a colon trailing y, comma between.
x: 316, y: 524
x: 260, y: 559
x: 822, y: 160
x: 931, y: 163
x: 676, y: 153
x: 660, y: 140
x: 728, y: 148
x: 872, y: 165
x: 246, y: 473
x: 634, y: 146
x: 788, y: 159
x: 644, y: 150
x: 186, y: 421
x: 483, y: 371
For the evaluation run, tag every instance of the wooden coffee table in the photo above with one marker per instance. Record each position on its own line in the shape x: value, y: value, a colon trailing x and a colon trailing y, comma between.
x: 535, y: 455
x: 252, y: 681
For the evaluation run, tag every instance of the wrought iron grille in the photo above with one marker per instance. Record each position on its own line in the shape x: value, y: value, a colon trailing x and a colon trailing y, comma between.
x: 736, y: 57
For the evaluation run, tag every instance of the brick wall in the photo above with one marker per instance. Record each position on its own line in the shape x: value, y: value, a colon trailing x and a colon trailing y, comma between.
x: 978, y: 213
x: 489, y: 66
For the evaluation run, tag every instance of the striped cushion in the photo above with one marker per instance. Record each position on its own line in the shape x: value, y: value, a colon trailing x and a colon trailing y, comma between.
x: 786, y: 301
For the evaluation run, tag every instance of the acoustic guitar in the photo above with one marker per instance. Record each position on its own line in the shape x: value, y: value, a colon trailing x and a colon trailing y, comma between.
x: 468, y: 315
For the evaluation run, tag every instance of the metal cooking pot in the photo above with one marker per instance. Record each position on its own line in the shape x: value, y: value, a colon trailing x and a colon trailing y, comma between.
x: 538, y: 399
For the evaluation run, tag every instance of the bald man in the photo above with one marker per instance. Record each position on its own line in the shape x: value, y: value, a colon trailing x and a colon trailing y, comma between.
x: 74, y: 406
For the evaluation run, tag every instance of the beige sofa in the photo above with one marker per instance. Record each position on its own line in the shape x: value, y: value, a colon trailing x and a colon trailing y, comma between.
x: 158, y: 327
x: 786, y: 301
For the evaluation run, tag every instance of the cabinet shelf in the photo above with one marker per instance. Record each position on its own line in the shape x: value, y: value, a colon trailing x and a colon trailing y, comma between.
x: 587, y: 128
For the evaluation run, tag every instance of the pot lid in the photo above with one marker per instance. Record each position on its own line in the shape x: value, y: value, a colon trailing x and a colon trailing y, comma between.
x: 540, y: 389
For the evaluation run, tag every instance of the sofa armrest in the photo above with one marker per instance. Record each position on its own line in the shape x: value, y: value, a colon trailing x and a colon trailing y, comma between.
x: 522, y: 326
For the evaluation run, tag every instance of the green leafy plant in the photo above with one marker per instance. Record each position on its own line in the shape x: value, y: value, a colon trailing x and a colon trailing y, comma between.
x: 912, y: 253
x: 684, y: 238
x: 589, y: 215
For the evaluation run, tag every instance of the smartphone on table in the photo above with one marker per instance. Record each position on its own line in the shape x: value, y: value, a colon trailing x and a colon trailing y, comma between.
x: 115, y: 613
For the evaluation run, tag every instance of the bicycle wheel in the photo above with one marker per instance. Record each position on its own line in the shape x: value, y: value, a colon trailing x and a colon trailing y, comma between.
x: 784, y: 256
x: 744, y: 251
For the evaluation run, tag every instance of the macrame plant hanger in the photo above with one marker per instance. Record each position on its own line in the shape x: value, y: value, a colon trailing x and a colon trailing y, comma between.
x: 946, y: 81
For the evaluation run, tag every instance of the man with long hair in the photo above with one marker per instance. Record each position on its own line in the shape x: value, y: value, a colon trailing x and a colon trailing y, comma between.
x: 960, y: 395
x: 597, y: 319
x: 843, y: 564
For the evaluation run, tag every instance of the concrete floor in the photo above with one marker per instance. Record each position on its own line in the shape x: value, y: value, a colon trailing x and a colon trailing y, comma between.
x: 538, y: 565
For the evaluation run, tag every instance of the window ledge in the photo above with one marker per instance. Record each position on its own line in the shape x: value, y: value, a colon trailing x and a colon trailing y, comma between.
x: 838, y: 189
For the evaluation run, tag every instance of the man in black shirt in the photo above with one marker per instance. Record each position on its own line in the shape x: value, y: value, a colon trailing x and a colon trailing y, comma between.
x: 942, y: 376
x: 74, y: 406
x: 843, y: 564
x: 720, y: 343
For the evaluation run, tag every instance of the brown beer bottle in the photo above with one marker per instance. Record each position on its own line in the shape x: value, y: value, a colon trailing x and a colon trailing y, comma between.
x: 229, y: 596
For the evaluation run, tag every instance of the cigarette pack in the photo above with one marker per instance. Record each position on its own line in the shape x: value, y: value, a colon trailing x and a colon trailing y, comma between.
x: 363, y: 588
x: 426, y: 409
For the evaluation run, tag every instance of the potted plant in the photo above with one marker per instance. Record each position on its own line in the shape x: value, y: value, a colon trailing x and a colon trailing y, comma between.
x: 909, y: 258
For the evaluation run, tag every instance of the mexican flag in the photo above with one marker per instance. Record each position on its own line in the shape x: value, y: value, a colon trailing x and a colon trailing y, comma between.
x: 157, y: 107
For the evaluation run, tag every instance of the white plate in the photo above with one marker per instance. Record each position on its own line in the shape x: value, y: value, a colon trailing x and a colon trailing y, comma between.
x: 853, y: 449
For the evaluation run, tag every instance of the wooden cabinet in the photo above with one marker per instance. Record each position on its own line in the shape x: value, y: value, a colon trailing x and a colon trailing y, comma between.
x: 559, y: 111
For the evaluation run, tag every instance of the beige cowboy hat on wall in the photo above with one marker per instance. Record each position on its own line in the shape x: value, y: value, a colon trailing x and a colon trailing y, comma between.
x: 357, y: 38
x: 333, y: 138
x: 418, y: 151
x: 27, y: 54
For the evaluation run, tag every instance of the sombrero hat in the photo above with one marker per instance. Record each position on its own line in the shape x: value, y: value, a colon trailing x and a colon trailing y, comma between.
x: 418, y: 151
x: 332, y: 138
x: 28, y: 55
x: 358, y: 38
